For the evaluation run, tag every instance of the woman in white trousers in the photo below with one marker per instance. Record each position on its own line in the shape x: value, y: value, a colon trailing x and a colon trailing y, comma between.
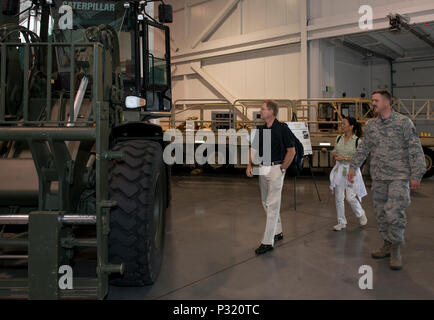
x: 345, y: 146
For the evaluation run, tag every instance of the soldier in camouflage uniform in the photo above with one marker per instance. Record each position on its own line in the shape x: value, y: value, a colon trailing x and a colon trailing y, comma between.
x: 397, y: 164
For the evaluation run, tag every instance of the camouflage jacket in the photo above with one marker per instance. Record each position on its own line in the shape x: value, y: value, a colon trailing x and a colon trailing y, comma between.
x: 395, y: 149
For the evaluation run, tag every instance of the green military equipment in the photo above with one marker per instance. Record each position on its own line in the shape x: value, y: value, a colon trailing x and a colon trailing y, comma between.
x: 81, y: 172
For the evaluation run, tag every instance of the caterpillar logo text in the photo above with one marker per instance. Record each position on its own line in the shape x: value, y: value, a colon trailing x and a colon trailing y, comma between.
x: 92, y: 6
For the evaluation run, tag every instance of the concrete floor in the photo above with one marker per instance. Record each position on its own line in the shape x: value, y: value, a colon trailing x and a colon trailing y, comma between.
x: 217, y: 221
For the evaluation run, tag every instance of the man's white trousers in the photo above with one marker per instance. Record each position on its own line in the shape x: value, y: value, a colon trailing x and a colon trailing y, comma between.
x: 271, y: 183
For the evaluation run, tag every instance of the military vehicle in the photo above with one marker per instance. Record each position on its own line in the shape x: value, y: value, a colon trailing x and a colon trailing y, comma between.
x: 83, y: 184
x: 329, y: 114
x: 323, y: 115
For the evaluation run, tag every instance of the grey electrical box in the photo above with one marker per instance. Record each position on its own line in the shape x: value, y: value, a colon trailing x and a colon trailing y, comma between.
x: 222, y: 120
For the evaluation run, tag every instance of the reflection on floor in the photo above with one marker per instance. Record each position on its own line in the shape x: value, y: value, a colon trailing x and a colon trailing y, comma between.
x: 217, y: 221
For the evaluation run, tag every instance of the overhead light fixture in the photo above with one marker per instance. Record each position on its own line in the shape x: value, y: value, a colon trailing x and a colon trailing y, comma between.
x: 396, y: 22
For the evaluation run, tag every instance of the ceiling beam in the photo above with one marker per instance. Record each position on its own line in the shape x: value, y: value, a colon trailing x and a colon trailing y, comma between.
x: 421, y: 35
x: 220, y: 17
x: 413, y: 29
x: 391, y: 45
x: 219, y: 88
x: 366, y: 52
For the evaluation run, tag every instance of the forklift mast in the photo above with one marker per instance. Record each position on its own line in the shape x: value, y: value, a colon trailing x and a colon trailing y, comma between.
x: 75, y: 98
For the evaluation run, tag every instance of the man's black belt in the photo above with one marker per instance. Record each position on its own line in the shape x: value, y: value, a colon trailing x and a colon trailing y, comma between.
x: 273, y: 163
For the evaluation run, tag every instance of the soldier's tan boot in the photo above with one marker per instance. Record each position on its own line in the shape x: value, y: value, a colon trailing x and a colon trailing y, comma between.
x: 383, y: 252
x: 395, y: 257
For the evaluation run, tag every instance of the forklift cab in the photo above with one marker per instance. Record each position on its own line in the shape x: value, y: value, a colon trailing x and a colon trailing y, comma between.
x: 144, y: 44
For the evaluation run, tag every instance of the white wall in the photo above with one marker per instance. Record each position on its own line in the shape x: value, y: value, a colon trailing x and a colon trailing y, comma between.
x: 249, y: 54
x: 257, y: 49
x: 257, y: 74
x: 339, y: 17
x: 329, y: 8
x: 414, y: 79
x: 344, y: 70
x: 247, y: 16
x: 355, y: 75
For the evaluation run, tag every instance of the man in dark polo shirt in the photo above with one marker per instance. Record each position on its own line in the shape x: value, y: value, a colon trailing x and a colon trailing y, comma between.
x: 271, y: 171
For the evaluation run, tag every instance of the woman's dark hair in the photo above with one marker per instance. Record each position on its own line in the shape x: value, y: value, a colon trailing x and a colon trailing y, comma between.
x: 357, y: 127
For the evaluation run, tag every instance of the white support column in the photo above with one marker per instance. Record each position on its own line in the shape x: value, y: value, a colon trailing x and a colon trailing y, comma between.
x: 303, y: 50
x: 220, y: 17
x: 315, y: 69
x: 315, y: 77
x: 187, y: 17
x: 214, y: 83
x: 186, y: 87
x: 330, y: 66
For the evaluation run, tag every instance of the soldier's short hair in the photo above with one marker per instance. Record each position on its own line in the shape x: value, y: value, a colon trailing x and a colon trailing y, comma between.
x: 385, y: 93
x: 273, y: 106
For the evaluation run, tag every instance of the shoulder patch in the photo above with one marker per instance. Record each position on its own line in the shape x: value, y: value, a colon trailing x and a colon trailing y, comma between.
x: 405, y: 119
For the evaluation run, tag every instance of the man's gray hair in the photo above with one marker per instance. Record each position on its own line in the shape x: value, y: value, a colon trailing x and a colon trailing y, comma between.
x: 273, y: 106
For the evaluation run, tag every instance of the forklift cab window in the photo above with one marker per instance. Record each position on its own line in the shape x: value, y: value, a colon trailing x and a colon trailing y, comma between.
x: 145, y: 71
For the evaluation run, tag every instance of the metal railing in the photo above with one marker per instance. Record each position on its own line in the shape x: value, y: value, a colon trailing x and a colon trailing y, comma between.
x: 307, y: 110
x: 415, y: 109
x: 202, y: 105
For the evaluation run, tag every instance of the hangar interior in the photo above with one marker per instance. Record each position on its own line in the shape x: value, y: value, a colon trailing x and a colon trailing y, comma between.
x: 227, y: 58
x: 289, y: 49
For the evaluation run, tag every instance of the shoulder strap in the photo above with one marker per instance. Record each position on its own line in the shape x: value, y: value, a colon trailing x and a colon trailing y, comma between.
x: 357, y: 143
x: 339, y: 139
x: 282, y: 147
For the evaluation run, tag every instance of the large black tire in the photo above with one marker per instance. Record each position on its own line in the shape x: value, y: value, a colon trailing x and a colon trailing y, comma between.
x: 138, y: 185
x: 429, y: 158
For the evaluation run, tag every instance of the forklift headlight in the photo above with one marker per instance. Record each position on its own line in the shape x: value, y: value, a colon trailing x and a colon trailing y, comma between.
x: 133, y: 102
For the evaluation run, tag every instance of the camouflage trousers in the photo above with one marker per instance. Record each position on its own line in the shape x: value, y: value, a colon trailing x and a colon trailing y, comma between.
x: 391, y: 197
